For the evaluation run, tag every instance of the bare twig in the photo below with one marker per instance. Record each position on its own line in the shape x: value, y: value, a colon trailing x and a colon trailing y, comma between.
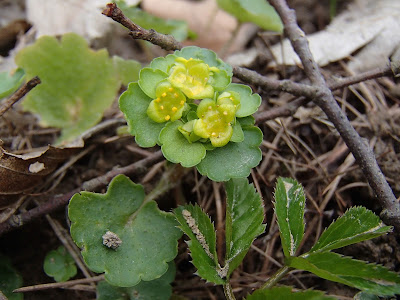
x: 325, y: 100
x: 22, y: 91
x: 166, y: 42
x: 290, y: 108
x: 58, y: 284
x: 281, y: 111
x: 91, y: 185
x: 270, y: 84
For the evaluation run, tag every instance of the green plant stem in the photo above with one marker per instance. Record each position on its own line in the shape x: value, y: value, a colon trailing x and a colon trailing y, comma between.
x: 228, y: 292
x: 332, y: 8
x: 275, y: 278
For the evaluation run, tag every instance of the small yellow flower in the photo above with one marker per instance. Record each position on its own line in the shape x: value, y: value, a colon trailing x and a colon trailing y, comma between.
x: 215, y: 122
x: 191, y: 77
x: 169, y: 104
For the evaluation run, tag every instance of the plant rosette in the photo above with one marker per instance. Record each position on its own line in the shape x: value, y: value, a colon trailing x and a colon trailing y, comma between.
x: 185, y: 102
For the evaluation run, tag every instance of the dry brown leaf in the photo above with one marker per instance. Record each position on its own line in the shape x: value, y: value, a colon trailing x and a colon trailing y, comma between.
x: 374, y: 25
x: 21, y: 173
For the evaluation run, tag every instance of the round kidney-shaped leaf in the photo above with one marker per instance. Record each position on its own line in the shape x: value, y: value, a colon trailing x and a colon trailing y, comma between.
x: 158, y: 289
x: 206, y: 55
x: 9, y: 82
x: 234, y: 160
x: 59, y: 264
x: 149, y: 79
x: 78, y: 84
x: 134, y: 103
x: 249, y: 102
x: 123, y: 234
x: 163, y: 63
x: 10, y: 279
x: 177, y: 149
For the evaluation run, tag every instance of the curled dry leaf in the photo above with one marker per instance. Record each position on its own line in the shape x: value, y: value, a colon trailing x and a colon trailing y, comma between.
x: 369, y: 25
x: 21, y: 173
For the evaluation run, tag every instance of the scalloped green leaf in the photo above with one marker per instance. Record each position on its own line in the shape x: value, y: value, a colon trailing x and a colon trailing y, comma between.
x: 198, y: 227
x: 234, y: 160
x: 134, y: 103
x: 157, y: 289
x: 59, y: 264
x: 249, y: 102
x: 177, y: 149
x: 163, y: 63
x: 206, y: 55
x: 259, y: 12
x: 285, y: 292
x: 370, y: 278
x: 149, y: 79
x: 238, y: 135
x: 123, y: 234
x: 127, y: 69
x: 357, y: 224
x: 10, y: 279
x: 72, y: 95
x: 177, y: 28
x: 289, y: 209
x: 220, y: 80
x: 244, y: 217
x: 10, y: 81
x: 246, y: 121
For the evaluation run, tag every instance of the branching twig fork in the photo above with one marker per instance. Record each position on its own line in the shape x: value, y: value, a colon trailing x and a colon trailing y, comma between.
x: 325, y: 100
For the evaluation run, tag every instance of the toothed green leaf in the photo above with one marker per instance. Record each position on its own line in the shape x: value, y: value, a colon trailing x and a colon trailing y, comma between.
x: 163, y: 64
x: 127, y: 69
x: 249, y: 102
x: 134, y: 103
x: 237, y: 135
x: 289, y: 208
x: 157, y: 289
x: 149, y: 79
x: 177, y: 149
x: 123, y: 235
x: 10, y: 81
x: 59, y: 264
x: 206, y: 55
x: 198, y: 227
x: 259, y: 12
x: 244, y: 217
x: 78, y: 84
x: 177, y: 28
x: 234, y: 160
x: 370, y: 278
x: 356, y: 225
x: 10, y: 279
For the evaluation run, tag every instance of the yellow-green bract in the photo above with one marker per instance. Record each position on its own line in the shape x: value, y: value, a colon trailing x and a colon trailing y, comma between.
x: 185, y: 102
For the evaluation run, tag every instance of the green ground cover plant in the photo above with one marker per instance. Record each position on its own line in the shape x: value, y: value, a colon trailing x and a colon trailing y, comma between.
x: 187, y: 105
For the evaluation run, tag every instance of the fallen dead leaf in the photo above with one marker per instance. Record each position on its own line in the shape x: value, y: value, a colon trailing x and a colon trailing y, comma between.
x: 21, y: 173
x: 374, y: 25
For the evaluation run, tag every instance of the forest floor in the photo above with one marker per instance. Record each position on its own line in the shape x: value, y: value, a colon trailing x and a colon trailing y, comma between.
x: 303, y: 146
